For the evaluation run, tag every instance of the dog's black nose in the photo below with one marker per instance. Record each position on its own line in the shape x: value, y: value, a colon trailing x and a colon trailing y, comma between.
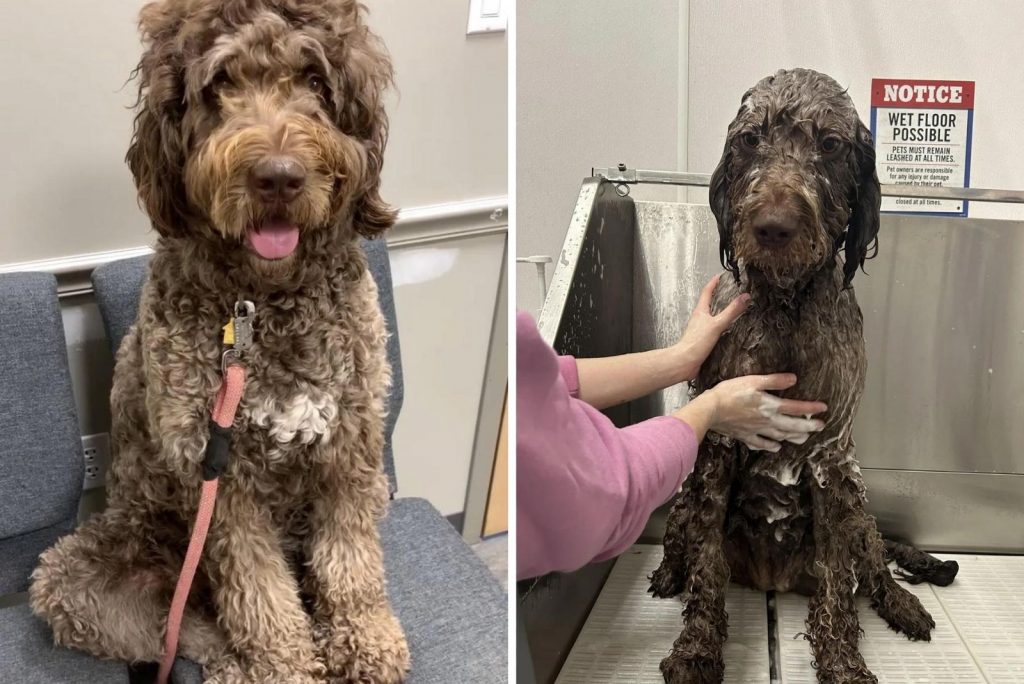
x: 773, y: 234
x: 278, y: 179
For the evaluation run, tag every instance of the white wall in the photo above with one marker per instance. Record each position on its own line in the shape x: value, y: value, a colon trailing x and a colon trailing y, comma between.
x: 445, y: 295
x: 449, y: 120
x: 64, y: 128
x: 733, y: 44
x: 598, y: 83
x: 65, y: 191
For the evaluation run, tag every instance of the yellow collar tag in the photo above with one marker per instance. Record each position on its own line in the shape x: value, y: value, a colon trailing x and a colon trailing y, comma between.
x: 229, y: 334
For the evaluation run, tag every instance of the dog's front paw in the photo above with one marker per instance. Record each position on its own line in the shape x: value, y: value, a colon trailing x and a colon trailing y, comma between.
x: 849, y: 677
x: 370, y: 649
x: 665, y: 582
x: 678, y: 669
x: 231, y: 671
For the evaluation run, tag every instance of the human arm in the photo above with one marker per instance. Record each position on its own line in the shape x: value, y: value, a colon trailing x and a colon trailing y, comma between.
x: 585, y: 489
x: 612, y: 380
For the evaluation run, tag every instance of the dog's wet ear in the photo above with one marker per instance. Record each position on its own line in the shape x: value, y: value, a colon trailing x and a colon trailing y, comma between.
x: 365, y: 74
x: 718, y: 196
x: 156, y: 155
x: 865, y: 202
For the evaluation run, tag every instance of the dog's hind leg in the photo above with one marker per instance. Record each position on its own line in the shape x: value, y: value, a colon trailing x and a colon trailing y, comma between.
x: 833, y: 627
x: 916, y: 566
x: 695, y: 562
x: 104, y: 590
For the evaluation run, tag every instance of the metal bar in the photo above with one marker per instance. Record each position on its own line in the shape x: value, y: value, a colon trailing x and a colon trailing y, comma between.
x: 622, y: 174
x: 541, y: 263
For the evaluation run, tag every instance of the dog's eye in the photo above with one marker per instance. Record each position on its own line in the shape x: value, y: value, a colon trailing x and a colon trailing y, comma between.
x: 220, y: 81
x: 316, y: 83
x: 751, y: 139
x: 830, y: 144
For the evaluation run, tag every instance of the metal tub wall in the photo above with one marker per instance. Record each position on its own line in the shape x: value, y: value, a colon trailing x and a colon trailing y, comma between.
x: 940, y: 433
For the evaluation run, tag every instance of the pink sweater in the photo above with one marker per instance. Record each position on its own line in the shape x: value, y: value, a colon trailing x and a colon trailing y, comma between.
x: 585, y: 488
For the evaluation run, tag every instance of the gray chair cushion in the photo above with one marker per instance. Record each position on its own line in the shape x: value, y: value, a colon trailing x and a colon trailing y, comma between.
x: 452, y: 609
x: 41, y: 463
x: 186, y: 672
x: 454, y: 612
x: 380, y: 267
x: 118, y: 286
x: 28, y: 655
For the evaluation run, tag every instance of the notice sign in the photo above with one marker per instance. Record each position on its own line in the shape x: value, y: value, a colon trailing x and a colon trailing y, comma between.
x: 922, y: 132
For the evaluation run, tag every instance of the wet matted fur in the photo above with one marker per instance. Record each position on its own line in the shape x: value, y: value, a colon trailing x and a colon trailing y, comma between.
x: 291, y: 585
x: 797, y: 200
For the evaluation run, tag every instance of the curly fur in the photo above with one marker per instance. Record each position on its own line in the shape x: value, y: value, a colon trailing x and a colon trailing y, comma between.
x: 291, y: 585
x: 793, y: 520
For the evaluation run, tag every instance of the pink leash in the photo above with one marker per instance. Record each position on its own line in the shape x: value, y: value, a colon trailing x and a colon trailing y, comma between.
x: 214, y: 462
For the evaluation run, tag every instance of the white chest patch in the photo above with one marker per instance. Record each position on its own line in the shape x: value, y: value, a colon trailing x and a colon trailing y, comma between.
x: 301, y: 418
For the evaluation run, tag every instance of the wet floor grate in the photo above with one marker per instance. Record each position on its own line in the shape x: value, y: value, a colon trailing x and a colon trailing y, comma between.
x: 628, y: 632
x: 979, y: 634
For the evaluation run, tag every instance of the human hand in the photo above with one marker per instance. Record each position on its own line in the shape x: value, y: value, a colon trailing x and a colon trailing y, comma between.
x: 741, y: 408
x: 703, y: 329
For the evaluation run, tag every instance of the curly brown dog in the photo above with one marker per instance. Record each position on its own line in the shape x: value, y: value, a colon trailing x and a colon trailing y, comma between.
x: 257, y: 154
x: 795, y: 186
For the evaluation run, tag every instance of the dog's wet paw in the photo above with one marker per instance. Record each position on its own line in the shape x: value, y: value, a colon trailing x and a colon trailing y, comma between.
x: 904, y: 613
x: 665, y: 582
x: 680, y: 670
x: 368, y: 650
x: 856, y: 676
x: 843, y: 667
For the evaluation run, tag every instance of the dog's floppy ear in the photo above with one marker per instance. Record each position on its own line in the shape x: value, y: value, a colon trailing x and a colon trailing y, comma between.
x: 865, y: 201
x: 718, y: 197
x: 366, y: 74
x: 156, y: 155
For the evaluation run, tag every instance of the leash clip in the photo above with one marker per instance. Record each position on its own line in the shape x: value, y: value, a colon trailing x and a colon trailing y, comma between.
x: 245, y: 311
x: 229, y: 358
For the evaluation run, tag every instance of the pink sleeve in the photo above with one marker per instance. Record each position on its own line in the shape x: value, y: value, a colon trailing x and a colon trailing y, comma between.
x: 584, y: 488
x: 570, y: 375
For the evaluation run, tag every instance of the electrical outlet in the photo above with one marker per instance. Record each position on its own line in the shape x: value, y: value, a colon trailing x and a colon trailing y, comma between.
x: 96, y: 451
x: 487, y: 16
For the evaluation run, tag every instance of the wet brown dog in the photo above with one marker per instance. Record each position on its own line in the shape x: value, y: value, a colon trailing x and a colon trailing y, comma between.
x: 795, y: 187
x: 257, y: 154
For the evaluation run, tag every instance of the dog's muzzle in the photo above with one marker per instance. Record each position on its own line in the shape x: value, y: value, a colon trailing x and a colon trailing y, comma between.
x: 774, y: 229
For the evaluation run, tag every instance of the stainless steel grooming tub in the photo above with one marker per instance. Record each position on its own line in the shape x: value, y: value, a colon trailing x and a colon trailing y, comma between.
x: 940, y: 432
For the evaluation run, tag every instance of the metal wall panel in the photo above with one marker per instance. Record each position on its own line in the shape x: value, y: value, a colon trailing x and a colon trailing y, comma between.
x: 944, y: 324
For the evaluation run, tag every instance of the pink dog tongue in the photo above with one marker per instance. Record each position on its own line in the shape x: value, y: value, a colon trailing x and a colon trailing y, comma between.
x: 274, y: 240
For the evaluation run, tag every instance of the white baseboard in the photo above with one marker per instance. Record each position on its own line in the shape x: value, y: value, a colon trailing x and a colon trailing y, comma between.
x: 415, y: 226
